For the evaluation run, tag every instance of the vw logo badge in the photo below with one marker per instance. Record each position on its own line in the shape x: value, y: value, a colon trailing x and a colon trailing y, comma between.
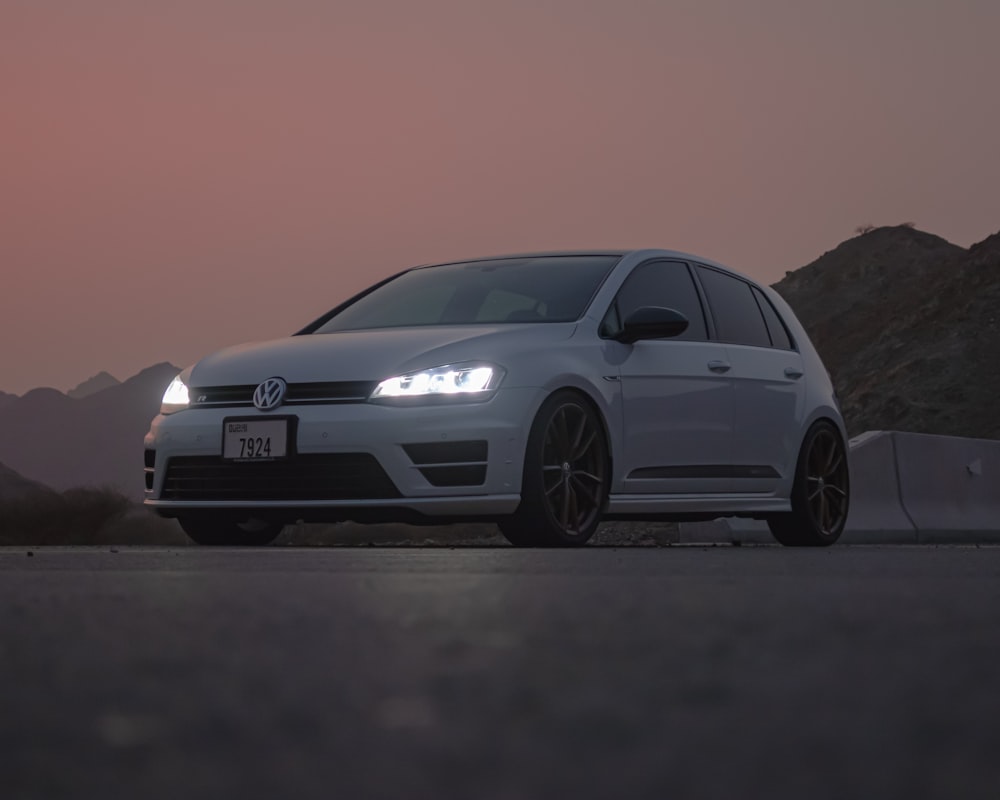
x: 270, y: 394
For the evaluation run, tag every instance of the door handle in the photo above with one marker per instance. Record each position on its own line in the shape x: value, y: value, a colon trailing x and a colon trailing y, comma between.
x: 793, y: 372
x: 719, y: 366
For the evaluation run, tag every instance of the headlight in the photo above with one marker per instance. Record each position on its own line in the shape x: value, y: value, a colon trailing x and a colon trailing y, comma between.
x: 176, y: 397
x: 465, y: 382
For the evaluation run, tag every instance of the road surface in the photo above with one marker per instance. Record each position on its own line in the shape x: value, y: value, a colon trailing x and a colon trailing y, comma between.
x: 703, y: 672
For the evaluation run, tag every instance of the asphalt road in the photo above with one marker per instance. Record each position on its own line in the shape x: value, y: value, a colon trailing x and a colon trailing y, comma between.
x: 723, y: 672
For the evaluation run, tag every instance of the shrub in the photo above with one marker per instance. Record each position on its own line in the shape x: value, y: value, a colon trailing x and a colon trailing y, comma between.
x: 73, y: 517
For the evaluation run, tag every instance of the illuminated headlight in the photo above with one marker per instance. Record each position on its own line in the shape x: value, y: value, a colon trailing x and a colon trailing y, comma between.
x: 457, y: 381
x: 176, y: 397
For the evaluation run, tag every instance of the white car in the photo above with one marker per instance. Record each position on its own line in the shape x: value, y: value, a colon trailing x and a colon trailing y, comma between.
x: 543, y: 392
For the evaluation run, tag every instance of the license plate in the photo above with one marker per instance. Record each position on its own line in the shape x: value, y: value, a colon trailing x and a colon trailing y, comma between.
x: 254, y: 439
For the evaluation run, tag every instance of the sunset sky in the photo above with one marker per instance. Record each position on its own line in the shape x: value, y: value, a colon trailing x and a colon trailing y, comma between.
x: 178, y: 176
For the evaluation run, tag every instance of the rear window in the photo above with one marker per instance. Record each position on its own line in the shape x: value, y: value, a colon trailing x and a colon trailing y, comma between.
x: 501, y: 291
x: 775, y: 327
x: 738, y: 318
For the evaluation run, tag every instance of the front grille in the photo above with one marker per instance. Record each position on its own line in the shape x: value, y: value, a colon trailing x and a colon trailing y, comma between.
x: 307, y: 476
x: 335, y: 391
x: 297, y: 394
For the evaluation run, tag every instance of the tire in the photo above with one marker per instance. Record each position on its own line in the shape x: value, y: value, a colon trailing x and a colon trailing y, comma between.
x: 566, y: 477
x: 209, y: 531
x: 820, y: 492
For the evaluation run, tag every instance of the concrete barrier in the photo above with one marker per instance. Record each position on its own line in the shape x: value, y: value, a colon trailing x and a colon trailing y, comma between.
x: 876, y: 514
x: 950, y: 487
x: 905, y: 488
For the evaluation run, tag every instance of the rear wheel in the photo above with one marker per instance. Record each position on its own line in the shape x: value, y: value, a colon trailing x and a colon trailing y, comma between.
x: 566, y: 476
x: 820, y: 492
x: 253, y: 532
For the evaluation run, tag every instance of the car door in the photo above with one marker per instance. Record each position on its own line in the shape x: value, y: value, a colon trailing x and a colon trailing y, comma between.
x: 768, y: 381
x: 677, y: 395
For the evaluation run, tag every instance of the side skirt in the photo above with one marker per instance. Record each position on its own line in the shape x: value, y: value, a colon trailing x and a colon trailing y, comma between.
x: 706, y: 506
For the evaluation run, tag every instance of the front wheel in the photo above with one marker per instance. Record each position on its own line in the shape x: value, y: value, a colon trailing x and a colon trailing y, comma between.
x: 820, y: 492
x: 209, y: 531
x: 565, y: 483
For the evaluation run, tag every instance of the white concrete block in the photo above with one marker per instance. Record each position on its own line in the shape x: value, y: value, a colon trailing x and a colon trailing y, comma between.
x: 950, y: 486
x: 876, y: 514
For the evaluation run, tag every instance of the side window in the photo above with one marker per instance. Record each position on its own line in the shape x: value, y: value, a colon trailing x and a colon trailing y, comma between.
x: 660, y: 283
x: 775, y: 327
x: 737, y: 317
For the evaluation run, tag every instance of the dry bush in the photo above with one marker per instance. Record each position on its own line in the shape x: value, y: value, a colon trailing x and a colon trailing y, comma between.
x: 89, y: 509
x: 80, y: 517
x: 32, y: 519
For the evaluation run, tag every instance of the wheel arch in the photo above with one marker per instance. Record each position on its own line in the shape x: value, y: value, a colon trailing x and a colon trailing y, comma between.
x: 824, y: 414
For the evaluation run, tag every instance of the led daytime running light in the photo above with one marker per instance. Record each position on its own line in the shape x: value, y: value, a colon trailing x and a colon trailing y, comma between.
x: 447, y: 380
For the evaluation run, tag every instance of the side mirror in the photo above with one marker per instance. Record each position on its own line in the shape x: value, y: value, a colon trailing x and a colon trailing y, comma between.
x: 652, y: 322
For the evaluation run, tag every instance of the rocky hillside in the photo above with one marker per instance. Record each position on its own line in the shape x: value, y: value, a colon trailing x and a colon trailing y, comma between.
x: 909, y: 327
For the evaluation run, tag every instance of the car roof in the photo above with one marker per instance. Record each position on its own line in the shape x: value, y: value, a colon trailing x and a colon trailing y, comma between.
x: 517, y: 256
x: 636, y: 253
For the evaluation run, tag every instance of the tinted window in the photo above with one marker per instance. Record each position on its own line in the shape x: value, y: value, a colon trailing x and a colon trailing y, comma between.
x: 541, y: 289
x: 737, y: 316
x: 667, y: 284
x: 775, y: 327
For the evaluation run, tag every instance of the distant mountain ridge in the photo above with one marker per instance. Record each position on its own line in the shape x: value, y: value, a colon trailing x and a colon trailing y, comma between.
x: 95, y: 440
x: 98, y: 383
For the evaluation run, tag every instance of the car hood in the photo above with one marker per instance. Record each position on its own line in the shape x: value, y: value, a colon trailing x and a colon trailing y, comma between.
x: 370, y: 355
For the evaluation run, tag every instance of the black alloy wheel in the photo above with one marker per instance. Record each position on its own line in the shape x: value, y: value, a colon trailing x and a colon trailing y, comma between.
x: 820, y: 493
x: 566, y: 475
x: 217, y: 531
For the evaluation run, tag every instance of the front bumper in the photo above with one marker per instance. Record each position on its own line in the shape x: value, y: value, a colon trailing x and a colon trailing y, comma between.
x: 384, y: 433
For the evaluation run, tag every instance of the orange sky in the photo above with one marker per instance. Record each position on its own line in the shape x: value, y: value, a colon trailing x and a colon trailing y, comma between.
x: 179, y: 176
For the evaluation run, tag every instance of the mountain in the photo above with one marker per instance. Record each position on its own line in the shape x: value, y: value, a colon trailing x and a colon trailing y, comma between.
x: 95, y: 440
x: 6, y: 399
x: 98, y: 383
x: 909, y: 327
x: 14, y: 486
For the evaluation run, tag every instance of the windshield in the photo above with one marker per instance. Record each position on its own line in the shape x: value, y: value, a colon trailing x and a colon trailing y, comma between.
x: 506, y: 290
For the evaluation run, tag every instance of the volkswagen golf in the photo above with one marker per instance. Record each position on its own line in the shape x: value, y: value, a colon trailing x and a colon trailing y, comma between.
x: 543, y: 392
